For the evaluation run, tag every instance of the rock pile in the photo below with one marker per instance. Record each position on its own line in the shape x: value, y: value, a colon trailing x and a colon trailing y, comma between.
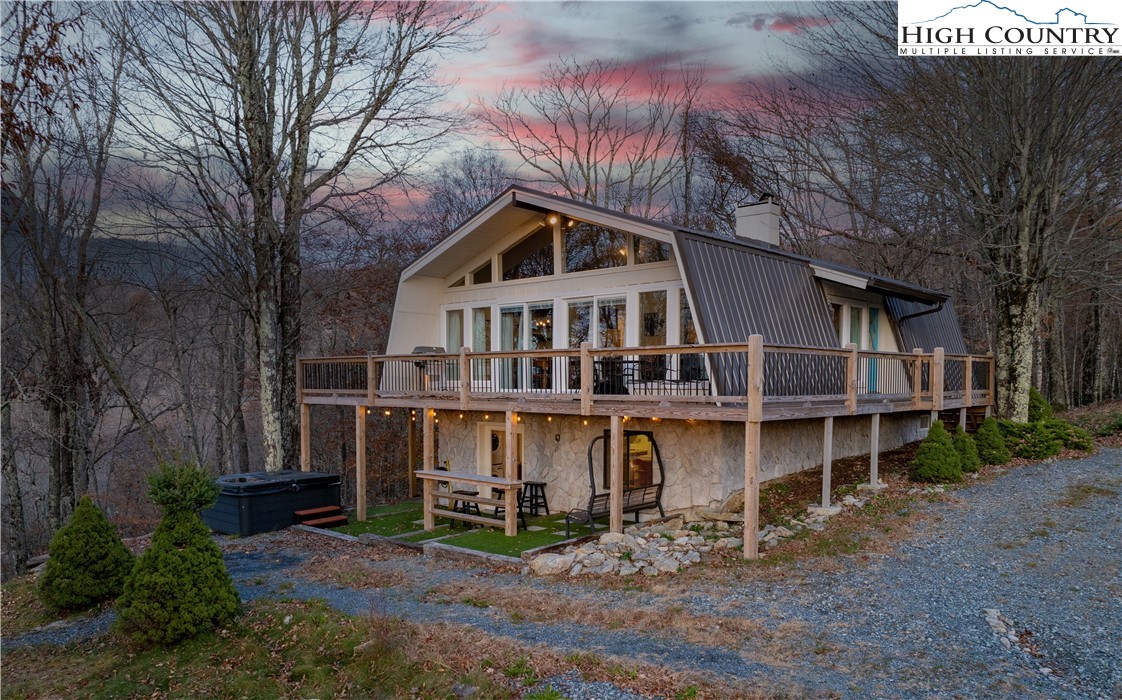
x: 650, y: 549
x: 674, y: 543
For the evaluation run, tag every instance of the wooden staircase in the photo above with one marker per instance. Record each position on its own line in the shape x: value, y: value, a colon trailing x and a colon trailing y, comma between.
x: 327, y: 516
x: 974, y: 418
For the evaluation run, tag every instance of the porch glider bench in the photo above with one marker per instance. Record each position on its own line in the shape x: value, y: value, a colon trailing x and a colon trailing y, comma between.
x: 634, y: 500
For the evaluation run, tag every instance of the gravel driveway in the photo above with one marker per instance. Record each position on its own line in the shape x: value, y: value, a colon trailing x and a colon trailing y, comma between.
x: 1037, y: 551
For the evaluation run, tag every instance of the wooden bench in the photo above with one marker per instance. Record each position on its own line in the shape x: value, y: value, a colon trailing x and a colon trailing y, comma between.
x: 599, y: 505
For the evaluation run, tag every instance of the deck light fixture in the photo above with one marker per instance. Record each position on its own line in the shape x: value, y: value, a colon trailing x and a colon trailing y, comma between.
x: 387, y: 411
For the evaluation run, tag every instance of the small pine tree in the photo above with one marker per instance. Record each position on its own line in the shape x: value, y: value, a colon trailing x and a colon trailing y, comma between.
x: 937, y: 460
x: 1039, y: 409
x: 88, y: 562
x: 184, y: 486
x: 1039, y: 442
x: 990, y: 443
x: 967, y: 450
x: 180, y: 587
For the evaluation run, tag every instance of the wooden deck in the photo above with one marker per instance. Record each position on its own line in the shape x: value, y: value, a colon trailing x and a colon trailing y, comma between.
x: 750, y: 383
x: 649, y: 382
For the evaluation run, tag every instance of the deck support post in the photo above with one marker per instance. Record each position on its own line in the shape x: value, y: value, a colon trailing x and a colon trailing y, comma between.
x: 962, y: 418
x: 411, y: 436
x: 428, y: 439
x: 615, y: 485
x: 427, y: 486
x: 827, y: 459
x: 874, y: 456
x: 305, y: 437
x: 360, y: 463
x: 510, y: 453
x: 992, y: 393
x: 755, y: 388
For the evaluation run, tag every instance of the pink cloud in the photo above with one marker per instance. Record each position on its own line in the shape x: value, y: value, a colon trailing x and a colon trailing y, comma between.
x: 779, y: 22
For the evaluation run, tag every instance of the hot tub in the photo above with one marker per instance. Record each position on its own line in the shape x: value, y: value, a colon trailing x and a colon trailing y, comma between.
x: 262, y: 501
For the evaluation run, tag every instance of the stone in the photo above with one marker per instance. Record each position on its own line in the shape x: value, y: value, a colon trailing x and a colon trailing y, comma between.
x: 650, y: 571
x: 674, y: 523
x: 594, y: 559
x: 551, y: 564
x: 872, y: 488
x: 607, y: 567
x: 828, y: 511
x: 463, y: 691
x: 725, y: 517
x: 691, y: 557
x: 734, y: 503
x: 627, y: 569
x: 721, y: 526
x: 611, y: 538
x: 1006, y: 643
x: 666, y: 564
x: 783, y: 532
x: 577, y: 568
x: 728, y: 543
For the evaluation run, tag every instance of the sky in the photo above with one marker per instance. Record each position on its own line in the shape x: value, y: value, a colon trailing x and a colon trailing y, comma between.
x: 735, y: 40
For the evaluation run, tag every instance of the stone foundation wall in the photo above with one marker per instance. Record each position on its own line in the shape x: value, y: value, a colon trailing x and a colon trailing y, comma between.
x: 704, y: 460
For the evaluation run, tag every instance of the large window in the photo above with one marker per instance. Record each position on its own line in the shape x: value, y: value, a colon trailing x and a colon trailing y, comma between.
x: 611, y: 323
x: 691, y: 367
x: 481, y: 342
x: 530, y: 257
x: 648, y: 250
x: 589, y: 247
x: 454, y: 330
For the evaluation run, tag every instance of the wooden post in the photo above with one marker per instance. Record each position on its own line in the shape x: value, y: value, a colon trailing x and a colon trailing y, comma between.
x: 305, y: 437
x: 510, y: 455
x: 962, y: 418
x: 992, y: 378
x: 874, y: 452
x: 968, y: 382
x: 917, y: 377
x: 827, y: 459
x: 755, y: 389
x: 851, y: 379
x: 585, y: 379
x: 412, y: 438
x: 465, y: 379
x: 427, y: 486
x: 937, y: 364
x: 360, y: 463
x: 371, y: 385
x: 428, y: 440
x: 511, y: 511
x: 616, y: 480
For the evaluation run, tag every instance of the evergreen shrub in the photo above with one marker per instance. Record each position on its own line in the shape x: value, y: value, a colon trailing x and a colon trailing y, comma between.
x: 179, y: 587
x: 1070, y: 436
x: 991, y: 443
x: 1040, y: 442
x: 967, y: 450
x: 182, y: 486
x: 88, y: 562
x: 936, y: 460
x: 1039, y: 408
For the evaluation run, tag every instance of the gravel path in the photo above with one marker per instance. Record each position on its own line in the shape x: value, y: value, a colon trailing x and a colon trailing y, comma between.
x: 1034, y: 544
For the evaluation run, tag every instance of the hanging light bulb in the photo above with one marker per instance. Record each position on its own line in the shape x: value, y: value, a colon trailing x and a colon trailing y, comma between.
x: 387, y: 411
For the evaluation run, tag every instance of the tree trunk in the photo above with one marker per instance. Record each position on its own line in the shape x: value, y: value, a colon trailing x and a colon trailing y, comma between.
x: 1017, y: 322
x: 15, y: 530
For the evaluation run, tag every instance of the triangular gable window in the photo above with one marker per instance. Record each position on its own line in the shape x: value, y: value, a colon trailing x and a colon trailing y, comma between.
x: 530, y: 257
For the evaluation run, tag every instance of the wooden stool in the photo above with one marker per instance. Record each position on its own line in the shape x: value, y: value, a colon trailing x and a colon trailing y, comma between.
x: 533, y: 496
x: 465, y: 506
x: 500, y: 510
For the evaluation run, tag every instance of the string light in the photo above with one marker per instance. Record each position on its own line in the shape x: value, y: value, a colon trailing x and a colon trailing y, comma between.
x: 461, y: 416
x: 387, y: 411
x: 586, y: 422
x: 550, y: 419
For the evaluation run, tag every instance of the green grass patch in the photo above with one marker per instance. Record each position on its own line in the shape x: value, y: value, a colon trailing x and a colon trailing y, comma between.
x: 317, y: 652
x: 23, y: 610
x: 387, y: 524
x: 423, y: 536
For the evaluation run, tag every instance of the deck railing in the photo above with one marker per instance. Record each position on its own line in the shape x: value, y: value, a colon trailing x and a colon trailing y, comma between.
x: 688, y: 375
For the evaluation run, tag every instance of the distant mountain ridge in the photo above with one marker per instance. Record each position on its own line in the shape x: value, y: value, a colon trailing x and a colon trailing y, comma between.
x: 986, y: 4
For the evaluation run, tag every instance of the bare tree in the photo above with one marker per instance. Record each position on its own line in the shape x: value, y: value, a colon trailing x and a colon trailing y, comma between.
x: 1004, y: 162
x: 599, y: 132
x: 279, y: 116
